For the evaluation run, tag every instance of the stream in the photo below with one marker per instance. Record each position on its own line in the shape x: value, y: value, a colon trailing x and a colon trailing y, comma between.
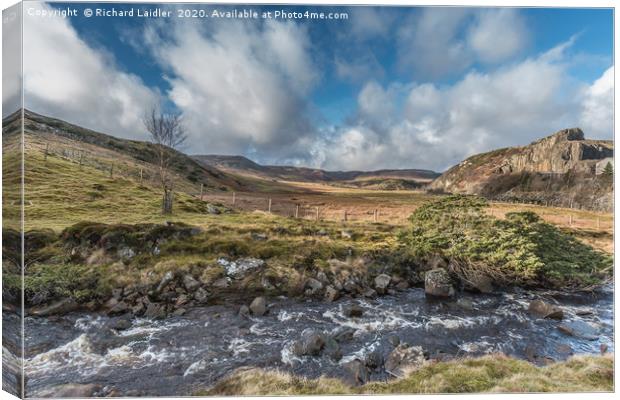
x: 179, y: 355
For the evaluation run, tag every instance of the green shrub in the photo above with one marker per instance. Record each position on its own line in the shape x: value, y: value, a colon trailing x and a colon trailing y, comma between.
x: 521, y: 248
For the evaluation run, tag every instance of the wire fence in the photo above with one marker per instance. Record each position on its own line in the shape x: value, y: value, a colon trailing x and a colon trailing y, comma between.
x: 291, y: 206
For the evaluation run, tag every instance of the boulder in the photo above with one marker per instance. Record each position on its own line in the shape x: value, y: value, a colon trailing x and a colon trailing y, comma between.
x: 259, y: 306
x: 332, y: 348
x: 322, y: 277
x: 70, y: 390
x: 369, y: 293
x: 374, y: 359
x: 404, y: 357
x: 356, y: 373
x: 437, y: 283
x: 541, y: 309
x: 119, y: 308
x: 244, y: 310
x: 259, y: 237
x: 201, y: 295
x: 237, y: 269
x: 465, y: 304
x: 346, y: 234
x: 402, y: 285
x: 331, y: 294
x: 310, y: 344
x: 179, y: 312
x: 393, y: 340
x: 62, y: 306
x: 478, y: 282
x: 313, y: 286
x: 221, y: 283
x: 119, y: 324
x: 353, y: 311
x: 382, y: 282
x: 155, y: 311
x: 138, y: 309
x: 213, y: 210
x: 350, y: 286
x: 343, y: 334
x: 579, y: 329
x: 126, y: 253
x: 165, y: 280
x: 190, y: 283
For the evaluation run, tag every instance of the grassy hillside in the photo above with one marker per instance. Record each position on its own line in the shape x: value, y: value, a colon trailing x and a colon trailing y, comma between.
x: 62, y: 136
x: 59, y: 192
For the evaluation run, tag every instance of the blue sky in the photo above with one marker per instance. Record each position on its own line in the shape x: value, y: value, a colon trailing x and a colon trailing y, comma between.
x: 386, y: 88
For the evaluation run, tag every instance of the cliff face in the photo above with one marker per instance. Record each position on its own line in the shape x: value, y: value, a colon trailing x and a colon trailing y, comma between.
x: 556, y: 169
x: 559, y: 153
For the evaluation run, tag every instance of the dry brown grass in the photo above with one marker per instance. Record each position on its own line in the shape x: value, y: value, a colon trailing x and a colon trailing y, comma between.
x: 493, y: 373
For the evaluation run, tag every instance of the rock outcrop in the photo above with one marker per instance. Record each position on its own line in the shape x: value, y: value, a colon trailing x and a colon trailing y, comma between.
x: 562, y: 169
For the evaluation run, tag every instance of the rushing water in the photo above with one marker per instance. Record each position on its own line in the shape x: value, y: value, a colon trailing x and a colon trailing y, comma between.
x: 178, y: 355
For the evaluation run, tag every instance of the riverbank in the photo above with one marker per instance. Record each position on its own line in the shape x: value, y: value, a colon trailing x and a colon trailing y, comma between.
x: 488, y: 374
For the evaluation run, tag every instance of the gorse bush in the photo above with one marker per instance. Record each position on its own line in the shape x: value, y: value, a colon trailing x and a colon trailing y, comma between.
x: 521, y: 248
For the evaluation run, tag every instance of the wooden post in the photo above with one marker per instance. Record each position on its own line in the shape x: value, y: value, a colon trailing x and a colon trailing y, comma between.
x: 317, y: 213
x: 296, y: 210
x: 140, y: 175
x: 376, y: 215
x: 81, y: 159
x: 47, y: 148
x: 269, y: 206
x: 570, y: 220
x: 233, y: 199
x: 345, y: 216
x: 202, y: 188
x: 111, y: 170
x: 598, y: 223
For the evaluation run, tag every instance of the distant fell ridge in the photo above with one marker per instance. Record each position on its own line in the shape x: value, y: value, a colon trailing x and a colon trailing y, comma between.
x: 240, y: 164
x: 562, y: 169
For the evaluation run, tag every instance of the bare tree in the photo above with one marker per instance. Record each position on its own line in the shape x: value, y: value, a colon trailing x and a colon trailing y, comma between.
x: 167, y: 133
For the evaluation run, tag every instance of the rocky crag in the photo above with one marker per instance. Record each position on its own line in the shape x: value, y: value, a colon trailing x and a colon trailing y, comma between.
x: 564, y: 169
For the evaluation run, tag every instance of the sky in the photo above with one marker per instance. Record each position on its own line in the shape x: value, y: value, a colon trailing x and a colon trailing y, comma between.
x: 388, y: 87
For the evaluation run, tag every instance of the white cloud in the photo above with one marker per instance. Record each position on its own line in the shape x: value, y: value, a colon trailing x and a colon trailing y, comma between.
x: 438, y: 126
x: 440, y: 42
x: 597, y: 114
x: 11, y: 64
x: 66, y: 78
x: 241, y: 86
x: 497, y: 34
x: 431, y: 43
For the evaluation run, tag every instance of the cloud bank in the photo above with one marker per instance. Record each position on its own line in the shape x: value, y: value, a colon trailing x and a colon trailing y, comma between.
x: 66, y: 78
x: 249, y: 87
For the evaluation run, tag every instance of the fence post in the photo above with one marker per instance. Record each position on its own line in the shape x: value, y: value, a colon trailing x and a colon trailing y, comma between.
x: 111, y: 170
x: 376, y: 215
x: 81, y: 159
x: 598, y: 223
x: 317, y: 213
x: 140, y: 175
x: 345, y: 215
x: 269, y: 206
x: 570, y: 220
x: 296, y: 210
x: 47, y: 148
x: 233, y: 199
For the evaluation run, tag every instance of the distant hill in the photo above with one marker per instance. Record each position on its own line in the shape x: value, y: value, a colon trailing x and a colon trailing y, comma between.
x: 563, y: 169
x: 399, y: 178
